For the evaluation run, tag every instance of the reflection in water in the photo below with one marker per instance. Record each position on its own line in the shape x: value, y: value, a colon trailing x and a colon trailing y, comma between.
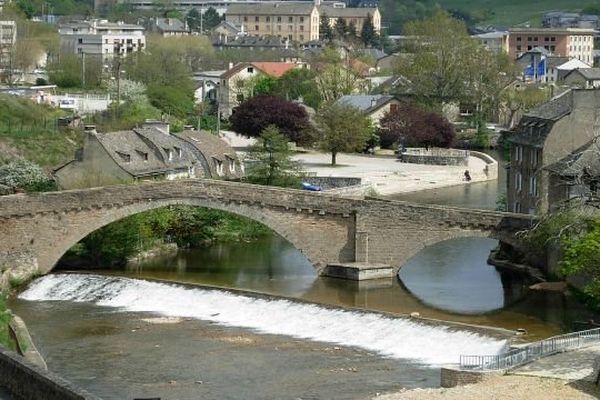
x: 454, y: 276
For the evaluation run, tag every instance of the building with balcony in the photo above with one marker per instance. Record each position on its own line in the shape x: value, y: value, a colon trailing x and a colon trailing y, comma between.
x: 101, y: 37
x: 564, y: 42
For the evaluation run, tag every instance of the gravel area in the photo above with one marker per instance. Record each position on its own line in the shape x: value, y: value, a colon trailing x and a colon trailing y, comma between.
x: 505, y: 388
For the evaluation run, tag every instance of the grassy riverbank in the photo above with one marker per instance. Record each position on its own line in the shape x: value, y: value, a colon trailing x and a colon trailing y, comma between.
x: 5, y: 339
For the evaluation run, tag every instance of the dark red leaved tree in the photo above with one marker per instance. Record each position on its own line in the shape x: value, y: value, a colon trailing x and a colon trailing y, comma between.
x: 255, y: 114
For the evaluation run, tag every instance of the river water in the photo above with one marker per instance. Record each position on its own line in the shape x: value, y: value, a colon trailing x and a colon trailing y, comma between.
x: 122, y: 338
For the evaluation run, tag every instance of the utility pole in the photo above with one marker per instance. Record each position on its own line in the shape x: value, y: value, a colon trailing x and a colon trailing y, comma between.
x: 82, y: 69
x: 219, y: 109
x: 118, y: 86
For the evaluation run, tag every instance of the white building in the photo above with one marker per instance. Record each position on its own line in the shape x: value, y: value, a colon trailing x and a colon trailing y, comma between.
x: 496, y: 41
x: 100, y: 37
x: 8, y: 35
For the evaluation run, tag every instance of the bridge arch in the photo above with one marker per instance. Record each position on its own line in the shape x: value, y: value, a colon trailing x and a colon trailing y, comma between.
x: 302, y: 234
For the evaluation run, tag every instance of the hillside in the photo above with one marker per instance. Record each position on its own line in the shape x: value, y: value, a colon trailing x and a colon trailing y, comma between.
x: 28, y: 130
x: 502, y: 13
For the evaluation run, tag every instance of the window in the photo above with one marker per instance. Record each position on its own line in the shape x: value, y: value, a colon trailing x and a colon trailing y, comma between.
x: 279, y: 28
x: 239, y: 98
x: 393, y: 107
x: 178, y: 151
x: 519, y: 48
x: 546, y: 39
x: 268, y: 19
x: 535, y: 38
x: 218, y: 166
x: 124, y: 156
x: 552, y: 39
x: 534, y: 157
x: 301, y: 37
x: 143, y: 155
x: 552, y: 48
x: 256, y: 19
x: 250, y: 70
x: 533, y: 186
x: 169, y: 153
x: 518, y: 38
x: 518, y: 153
x: 231, y: 163
x: 518, y: 181
x: 278, y: 19
x: 290, y: 27
x: 529, y: 38
x: 80, y: 40
x: 290, y: 19
x: 301, y: 19
x: 255, y: 27
x: 245, y: 19
x: 301, y: 28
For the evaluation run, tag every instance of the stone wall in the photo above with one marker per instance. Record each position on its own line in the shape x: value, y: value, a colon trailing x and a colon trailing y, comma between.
x: 333, y: 182
x: 451, y: 377
x: 37, y: 229
x: 25, y: 381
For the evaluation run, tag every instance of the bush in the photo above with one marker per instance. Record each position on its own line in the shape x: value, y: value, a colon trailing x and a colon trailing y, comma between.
x: 23, y: 174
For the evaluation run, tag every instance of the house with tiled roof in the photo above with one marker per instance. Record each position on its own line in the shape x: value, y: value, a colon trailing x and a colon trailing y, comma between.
x: 147, y: 153
x: 374, y: 106
x: 585, y: 78
x: 236, y: 83
x: 542, y: 138
x: 168, y: 26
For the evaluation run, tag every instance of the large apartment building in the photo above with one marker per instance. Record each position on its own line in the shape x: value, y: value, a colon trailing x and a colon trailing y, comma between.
x: 564, y: 42
x: 8, y: 35
x: 100, y: 37
x: 296, y: 21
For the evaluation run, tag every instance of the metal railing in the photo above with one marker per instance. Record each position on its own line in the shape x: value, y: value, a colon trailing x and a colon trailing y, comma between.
x: 532, y: 351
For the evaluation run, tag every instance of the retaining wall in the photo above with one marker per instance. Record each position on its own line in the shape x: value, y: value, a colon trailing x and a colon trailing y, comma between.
x: 26, y: 381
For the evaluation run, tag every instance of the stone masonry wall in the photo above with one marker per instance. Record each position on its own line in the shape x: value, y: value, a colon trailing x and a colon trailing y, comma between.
x: 37, y: 229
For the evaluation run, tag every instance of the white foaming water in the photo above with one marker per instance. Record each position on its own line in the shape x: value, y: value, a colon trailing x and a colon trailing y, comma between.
x: 392, y: 337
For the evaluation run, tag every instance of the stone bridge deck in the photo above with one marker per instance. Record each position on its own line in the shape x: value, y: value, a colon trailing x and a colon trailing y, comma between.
x: 37, y: 229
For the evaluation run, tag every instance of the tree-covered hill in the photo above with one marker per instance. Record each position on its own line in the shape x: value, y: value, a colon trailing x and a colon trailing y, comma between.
x: 481, y: 12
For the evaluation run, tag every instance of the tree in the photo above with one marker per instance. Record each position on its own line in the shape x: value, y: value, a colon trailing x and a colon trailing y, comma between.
x: 264, y: 84
x: 448, y: 65
x: 340, y: 28
x: 193, y: 20
x: 342, y: 128
x: 257, y: 113
x: 325, y: 30
x: 516, y: 101
x: 211, y: 19
x: 368, y: 34
x: 23, y: 174
x: 335, y: 81
x: 271, y: 161
x: 412, y: 126
x: 299, y: 83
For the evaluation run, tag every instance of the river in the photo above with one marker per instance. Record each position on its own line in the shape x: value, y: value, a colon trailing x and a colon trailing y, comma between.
x: 122, y: 338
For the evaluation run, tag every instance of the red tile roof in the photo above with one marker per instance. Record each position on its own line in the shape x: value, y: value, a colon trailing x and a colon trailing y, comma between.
x: 275, y: 69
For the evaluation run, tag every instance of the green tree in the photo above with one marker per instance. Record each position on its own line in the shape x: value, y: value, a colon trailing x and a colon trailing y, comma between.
x: 264, y: 84
x: 271, y: 162
x: 448, y: 65
x: 193, y: 20
x: 368, y: 34
x: 325, y: 30
x: 211, y: 19
x: 582, y: 256
x: 340, y: 28
x: 299, y: 83
x: 342, y: 128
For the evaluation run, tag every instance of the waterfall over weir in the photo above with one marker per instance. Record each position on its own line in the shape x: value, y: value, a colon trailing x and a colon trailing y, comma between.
x: 390, y: 337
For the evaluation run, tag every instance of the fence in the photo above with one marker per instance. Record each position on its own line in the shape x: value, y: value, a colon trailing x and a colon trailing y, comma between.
x: 530, y: 352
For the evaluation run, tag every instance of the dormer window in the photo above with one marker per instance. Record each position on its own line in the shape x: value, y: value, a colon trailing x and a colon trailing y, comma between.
x: 169, y: 153
x: 218, y: 166
x: 143, y: 155
x: 231, y: 163
x: 124, y: 156
x: 178, y: 151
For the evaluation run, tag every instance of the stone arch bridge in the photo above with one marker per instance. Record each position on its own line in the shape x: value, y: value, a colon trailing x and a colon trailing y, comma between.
x: 37, y: 229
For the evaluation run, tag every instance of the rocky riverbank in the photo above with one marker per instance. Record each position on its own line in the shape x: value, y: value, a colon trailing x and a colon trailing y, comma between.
x: 504, y: 387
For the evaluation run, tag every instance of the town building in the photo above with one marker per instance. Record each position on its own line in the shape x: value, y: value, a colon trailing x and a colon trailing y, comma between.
x: 564, y: 42
x: 167, y: 26
x: 373, y: 106
x: 586, y: 78
x: 496, y: 41
x: 234, y: 88
x: 147, y: 153
x: 559, y: 19
x: 296, y: 21
x: 543, y: 137
x: 577, y: 176
x: 102, y: 38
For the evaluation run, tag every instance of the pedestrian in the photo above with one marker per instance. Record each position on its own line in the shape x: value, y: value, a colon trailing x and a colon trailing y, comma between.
x: 467, y: 176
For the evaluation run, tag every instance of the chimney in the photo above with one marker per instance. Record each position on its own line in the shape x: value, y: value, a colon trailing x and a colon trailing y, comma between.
x: 161, y: 126
x: 230, y: 65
